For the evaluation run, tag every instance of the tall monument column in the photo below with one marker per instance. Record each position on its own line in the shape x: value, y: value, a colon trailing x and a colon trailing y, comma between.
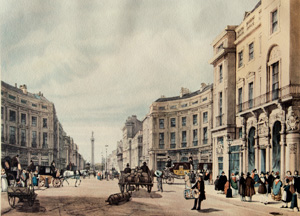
x: 92, y: 153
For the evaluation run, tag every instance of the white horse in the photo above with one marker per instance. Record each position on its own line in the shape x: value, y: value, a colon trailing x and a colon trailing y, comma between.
x: 72, y: 175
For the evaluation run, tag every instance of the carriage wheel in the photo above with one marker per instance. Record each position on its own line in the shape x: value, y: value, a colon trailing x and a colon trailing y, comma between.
x: 170, y: 180
x: 12, y: 201
x: 149, y: 188
x: 56, y: 182
x: 42, y: 182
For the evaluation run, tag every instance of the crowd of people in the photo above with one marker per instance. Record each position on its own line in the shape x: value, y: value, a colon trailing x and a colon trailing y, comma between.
x: 266, y: 184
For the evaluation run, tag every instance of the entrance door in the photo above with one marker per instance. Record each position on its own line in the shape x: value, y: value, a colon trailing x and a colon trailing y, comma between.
x: 251, y: 152
x: 276, y: 151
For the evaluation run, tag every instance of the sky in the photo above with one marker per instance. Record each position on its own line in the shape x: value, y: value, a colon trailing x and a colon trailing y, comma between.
x: 102, y: 61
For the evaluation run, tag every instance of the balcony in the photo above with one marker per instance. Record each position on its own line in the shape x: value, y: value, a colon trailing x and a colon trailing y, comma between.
x: 183, y: 145
x: 283, y: 93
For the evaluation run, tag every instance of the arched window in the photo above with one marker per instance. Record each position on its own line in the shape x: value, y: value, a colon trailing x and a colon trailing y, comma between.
x: 276, y: 151
x: 251, y: 152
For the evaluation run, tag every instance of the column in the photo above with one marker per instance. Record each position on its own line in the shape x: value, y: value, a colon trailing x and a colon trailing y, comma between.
x: 268, y: 168
x: 28, y: 157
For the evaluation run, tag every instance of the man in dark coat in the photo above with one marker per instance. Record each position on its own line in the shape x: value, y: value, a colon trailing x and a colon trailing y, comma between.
x: 53, y: 169
x: 127, y: 169
x: 169, y: 162
x: 145, y: 168
x: 200, y: 186
x: 31, y: 167
x: 262, y: 189
x: 191, y: 163
x: 242, y: 186
x: 193, y: 177
x: 222, y: 181
x: 249, y: 192
x: 287, y: 195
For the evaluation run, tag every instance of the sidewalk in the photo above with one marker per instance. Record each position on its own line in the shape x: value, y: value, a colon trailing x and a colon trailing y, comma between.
x: 210, y: 189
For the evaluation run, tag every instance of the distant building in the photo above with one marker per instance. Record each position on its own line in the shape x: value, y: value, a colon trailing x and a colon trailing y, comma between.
x: 179, y: 127
x: 30, y: 128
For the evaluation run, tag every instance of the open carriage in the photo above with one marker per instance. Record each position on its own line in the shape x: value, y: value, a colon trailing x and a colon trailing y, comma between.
x: 45, y: 172
x: 177, y: 171
x: 132, y: 181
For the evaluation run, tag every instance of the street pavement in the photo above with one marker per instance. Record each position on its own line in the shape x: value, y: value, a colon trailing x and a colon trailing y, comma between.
x: 89, y: 199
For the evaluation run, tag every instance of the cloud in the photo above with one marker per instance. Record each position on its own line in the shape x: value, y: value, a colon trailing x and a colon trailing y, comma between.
x: 101, y: 61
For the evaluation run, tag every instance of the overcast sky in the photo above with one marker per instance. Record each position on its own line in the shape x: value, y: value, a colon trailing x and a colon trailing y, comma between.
x: 102, y: 61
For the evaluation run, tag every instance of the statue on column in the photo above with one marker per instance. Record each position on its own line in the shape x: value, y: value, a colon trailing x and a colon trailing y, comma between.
x: 292, y: 121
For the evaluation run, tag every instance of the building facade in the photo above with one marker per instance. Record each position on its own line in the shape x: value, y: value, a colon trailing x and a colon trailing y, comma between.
x: 30, y: 128
x: 180, y: 127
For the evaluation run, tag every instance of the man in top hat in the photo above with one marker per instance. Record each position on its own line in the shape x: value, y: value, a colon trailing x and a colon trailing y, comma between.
x: 262, y: 189
x: 127, y: 169
x: 191, y: 163
x: 200, y: 186
x: 169, y: 162
x: 222, y: 181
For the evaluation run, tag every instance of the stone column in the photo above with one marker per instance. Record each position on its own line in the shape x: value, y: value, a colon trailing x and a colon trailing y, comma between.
x: 268, y: 167
x: 292, y: 137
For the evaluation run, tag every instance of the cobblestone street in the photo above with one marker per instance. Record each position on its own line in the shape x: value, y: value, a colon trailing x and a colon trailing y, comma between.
x: 89, y: 199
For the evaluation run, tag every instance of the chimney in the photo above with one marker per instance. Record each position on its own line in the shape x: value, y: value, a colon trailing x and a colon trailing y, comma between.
x: 203, y: 85
x: 184, y: 91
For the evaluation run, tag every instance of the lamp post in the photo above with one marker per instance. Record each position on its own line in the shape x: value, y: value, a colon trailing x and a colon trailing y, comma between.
x: 229, y: 191
x: 106, y: 160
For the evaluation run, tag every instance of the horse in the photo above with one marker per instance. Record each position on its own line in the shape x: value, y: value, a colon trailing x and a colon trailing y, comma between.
x: 187, y: 180
x: 73, y: 175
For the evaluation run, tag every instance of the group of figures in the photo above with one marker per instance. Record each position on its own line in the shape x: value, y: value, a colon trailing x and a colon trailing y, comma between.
x: 267, y: 183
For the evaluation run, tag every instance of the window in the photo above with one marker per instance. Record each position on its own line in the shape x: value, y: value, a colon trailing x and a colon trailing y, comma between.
x: 23, y: 101
x: 205, y: 135
x: 220, y: 109
x: 275, y: 81
x: 251, y: 51
x: 34, y: 144
x: 12, y: 135
x: 274, y: 21
x: 161, y: 108
x: 183, y: 121
x: 45, y: 138
x: 34, y: 105
x: 173, y: 141
x: 240, y: 133
x: 2, y: 132
x: 221, y: 73
x: 23, y: 137
x: 195, y: 102
x: 34, y: 121
x: 12, y: 97
x: 240, y: 59
x: 44, y: 107
x: 240, y: 99
x: 173, y: 107
x: 183, y: 144
x: 194, y: 119
x: 12, y: 116
x: 220, y: 47
x: 161, y: 123
x: 195, y: 137
x: 250, y: 95
x: 184, y: 105
x: 44, y: 123
x: 23, y: 119
x: 204, y: 99
x: 173, y: 122
x: 220, y: 141
x: 205, y: 117
x: 220, y: 163
x: 161, y: 140
x: 2, y: 112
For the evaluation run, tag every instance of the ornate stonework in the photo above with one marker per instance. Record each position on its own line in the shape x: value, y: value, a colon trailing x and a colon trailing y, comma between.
x: 275, y: 54
x: 292, y: 121
x: 219, y: 148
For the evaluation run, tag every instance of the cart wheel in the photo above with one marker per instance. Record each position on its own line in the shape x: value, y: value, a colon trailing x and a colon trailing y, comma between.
x: 42, y: 182
x: 149, y: 188
x: 170, y: 180
x: 56, y: 182
x: 12, y: 201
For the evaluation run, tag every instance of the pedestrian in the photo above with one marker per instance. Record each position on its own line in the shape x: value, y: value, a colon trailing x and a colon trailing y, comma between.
x: 193, y: 177
x: 234, y: 185
x: 207, y: 177
x: 31, y: 167
x: 249, y: 190
x: 201, y: 193
x: 216, y: 183
x: 287, y: 195
x: 222, y: 182
x: 237, y: 177
x: 262, y: 189
x: 276, y: 189
x: 191, y: 163
x: 294, y: 189
x: 242, y: 186
x: 159, y: 177
x: 297, y: 182
x: 169, y: 162
x: 4, y: 183
x: 255, y: 177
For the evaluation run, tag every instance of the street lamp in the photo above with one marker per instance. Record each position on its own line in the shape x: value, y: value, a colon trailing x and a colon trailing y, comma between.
x: 106, y: 160
x: 229, y: 191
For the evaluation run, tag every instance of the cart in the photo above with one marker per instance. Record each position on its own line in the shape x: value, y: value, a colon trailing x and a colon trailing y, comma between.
x: 44, y: 172
x: 177, y: 171
x: 23, y: 193
x: 132, y: 181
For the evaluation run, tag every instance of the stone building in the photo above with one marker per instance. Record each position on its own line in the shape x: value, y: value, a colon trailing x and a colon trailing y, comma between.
x: 267, y: 91
x: 132, y: 142
x: 223, y: 97
x: 180, y: 127
x: 120, y: 155
x: 30, y: 128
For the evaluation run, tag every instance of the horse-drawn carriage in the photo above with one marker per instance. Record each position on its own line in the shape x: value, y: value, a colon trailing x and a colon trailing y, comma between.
x: 44, y: 173
x: 177, y: 171
x: 132, y: 181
